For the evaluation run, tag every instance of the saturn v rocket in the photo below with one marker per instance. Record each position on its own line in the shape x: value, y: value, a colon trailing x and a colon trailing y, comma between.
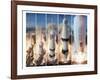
x: 52, y: 57
x: 52, y: 44
x: 65, y: 37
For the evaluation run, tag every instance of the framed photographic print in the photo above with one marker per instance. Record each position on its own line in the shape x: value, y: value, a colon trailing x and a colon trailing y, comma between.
x: 53, y: 39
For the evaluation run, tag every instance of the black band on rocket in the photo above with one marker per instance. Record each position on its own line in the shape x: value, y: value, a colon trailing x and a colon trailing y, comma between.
x: 53, y: 55
x: 52, y: 49
x: 65, y: 51
x: 65, y: 39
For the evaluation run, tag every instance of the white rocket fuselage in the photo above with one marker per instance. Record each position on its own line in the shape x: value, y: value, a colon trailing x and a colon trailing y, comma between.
x: 52, y: 43
x: 65, y: 35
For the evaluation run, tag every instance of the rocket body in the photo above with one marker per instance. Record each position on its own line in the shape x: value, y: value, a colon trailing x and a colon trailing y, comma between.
x: 65, y: 36
x: 52, y: 57
x: 52, y: 43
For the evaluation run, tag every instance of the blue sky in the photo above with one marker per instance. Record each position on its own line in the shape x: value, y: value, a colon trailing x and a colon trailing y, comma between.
x: 30, y: 20
x: 51, y: 18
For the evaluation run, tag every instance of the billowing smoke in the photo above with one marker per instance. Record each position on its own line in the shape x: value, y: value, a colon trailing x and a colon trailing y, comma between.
x: 79, y: 31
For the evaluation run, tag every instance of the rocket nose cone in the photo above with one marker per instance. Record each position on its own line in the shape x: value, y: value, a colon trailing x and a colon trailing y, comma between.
x: 65, y: 21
